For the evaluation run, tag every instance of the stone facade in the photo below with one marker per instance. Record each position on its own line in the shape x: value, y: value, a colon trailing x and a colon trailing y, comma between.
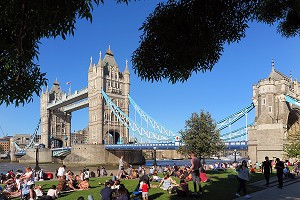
x: 104, y: 126
x: 55, y: 124
x: 274, y: 117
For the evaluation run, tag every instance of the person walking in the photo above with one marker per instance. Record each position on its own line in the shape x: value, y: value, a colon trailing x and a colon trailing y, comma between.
x: 279, y: 166
x: 266, y: 169
x: 121, y: 163
x: 243, y: 177
x: 195, y: 165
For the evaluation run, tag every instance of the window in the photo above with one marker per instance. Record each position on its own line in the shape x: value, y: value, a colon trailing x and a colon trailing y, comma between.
x: 270, y: 109
x: 264, y: 101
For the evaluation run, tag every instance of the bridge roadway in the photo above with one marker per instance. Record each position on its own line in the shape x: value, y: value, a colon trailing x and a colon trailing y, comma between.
x: 238, y: 145
x: 70, y: 100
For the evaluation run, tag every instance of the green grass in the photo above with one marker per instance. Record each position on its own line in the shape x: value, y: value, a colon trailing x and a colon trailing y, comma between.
x: 221, y: 188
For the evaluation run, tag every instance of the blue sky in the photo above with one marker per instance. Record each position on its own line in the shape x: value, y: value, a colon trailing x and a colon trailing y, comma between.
x: 225, y: 90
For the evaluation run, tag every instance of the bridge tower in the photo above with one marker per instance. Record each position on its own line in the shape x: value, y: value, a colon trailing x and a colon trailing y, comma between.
x: 55, y: 124
x: 104, y: 126
x: 274, y: 117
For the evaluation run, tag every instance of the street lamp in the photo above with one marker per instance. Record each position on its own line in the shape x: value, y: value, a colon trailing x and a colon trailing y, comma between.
x: 234, y: 155
x: 37, y: 146
x: 154, y: 155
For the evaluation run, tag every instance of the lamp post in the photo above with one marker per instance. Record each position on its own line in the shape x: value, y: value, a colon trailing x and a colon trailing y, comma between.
x: 154, y: 155
x: 37, y: 146
x: 234, y: 155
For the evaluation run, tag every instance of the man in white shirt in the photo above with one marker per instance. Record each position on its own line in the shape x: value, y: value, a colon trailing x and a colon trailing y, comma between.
x: 61, y: 171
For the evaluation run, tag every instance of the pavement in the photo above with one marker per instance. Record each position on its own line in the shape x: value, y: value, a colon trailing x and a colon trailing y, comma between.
x: 290, y: 190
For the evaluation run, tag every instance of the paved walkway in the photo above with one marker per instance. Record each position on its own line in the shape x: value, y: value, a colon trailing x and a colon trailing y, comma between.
x: 290, y: 191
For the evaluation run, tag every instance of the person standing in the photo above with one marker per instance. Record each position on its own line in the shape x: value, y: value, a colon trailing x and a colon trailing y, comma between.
x: 121, y: 163
x: 243, y: 177
x: 195, y: 165
x: 145, y: 188
x: 98, y: 171
x: 279, y: 168
x: 61, y: 171
x: 266, y: 169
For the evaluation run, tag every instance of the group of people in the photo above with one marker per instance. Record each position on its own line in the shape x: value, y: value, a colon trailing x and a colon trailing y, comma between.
x: 24, y: 185
x: 266, y: 167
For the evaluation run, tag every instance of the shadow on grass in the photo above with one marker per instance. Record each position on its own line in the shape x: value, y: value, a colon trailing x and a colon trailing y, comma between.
x: 156, y: 195
x: 224, y: 186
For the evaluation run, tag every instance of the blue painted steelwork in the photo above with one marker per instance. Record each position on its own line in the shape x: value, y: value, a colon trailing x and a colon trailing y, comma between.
x: 150, y: 120
x: 59, y: 152
x: 292, y: 100
x: 168, y: 146
x: 144, y: 146
x: 19, y: 150
x: 224, y: 123
x: 236, y: 133
x: 128, y: 123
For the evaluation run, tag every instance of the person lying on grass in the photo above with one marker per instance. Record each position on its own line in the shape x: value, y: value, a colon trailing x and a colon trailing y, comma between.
x: 84, y: 185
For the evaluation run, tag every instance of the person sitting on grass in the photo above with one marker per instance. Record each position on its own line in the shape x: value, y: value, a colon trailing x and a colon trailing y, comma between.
x: 116, y: 185
x: 52, y: 192
x: 84, y: 185
x: 184, y: 189
x: 122, y: 193
x: 63, y: 185
x: 203, y: 176
x: 106, y: 192
x: 167, y: 183
x: 122, y: 174
x: 155, y: 177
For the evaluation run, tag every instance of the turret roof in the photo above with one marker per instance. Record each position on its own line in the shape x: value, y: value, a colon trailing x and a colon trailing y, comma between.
x: 277, y: 75
x: 109, y: 58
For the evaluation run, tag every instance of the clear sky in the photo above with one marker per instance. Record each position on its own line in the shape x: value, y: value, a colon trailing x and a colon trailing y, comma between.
x: 225, y: 90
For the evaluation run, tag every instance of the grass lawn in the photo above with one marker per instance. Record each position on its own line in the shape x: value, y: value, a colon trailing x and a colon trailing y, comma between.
x: 222, y: 187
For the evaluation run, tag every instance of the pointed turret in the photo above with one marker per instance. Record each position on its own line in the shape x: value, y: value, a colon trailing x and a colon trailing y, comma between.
x: 100, y: 59
x: 91, y: 64
x: 126, y: 71
x: 276, y: 75
x: 109, y: 58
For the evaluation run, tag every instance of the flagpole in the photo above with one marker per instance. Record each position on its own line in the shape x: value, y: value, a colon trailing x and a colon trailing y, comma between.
x: 70, y: 88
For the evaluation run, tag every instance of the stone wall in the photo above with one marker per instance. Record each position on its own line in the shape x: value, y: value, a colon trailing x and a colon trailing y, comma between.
x: 265, y: 140
x: 96, y: 154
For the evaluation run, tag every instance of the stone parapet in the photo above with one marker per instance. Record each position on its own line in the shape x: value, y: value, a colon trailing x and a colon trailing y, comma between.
x: 96, y: 154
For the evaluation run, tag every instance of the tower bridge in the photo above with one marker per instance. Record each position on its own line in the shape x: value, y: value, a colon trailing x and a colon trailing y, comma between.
x: 275, y: 100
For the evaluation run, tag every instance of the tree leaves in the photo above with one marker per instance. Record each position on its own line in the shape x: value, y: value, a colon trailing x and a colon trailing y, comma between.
x: 182, y: 37
x: 188, y: 36
x: 200, y: 136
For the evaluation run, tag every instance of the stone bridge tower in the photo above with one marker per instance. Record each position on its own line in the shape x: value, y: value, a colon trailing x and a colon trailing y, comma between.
x: 274, y: 117
x: 104, y: 126
x: 55, y: 124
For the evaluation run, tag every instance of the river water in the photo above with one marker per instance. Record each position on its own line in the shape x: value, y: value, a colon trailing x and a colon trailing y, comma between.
x: 6, y: 166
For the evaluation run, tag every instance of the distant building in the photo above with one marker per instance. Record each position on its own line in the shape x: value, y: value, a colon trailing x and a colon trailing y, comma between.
x: 80, y: 137
x: 5, y: 143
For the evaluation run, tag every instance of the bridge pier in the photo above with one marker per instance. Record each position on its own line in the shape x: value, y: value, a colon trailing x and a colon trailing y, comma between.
x: 96, y: 154
x: 45, y: 156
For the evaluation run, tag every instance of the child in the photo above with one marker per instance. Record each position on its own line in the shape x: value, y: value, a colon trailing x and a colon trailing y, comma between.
x: 145, y: 189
